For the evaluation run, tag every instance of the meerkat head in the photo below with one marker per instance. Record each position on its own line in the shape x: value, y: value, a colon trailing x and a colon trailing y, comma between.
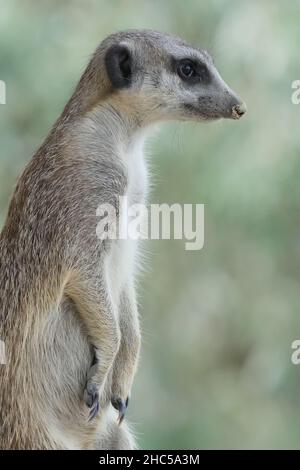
x: 161, y: 77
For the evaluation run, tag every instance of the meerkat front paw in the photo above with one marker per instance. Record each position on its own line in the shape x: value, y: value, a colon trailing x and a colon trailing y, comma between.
x: 91, y: 398
x: 121, y: 406
x: 91, y: 391
x: 120, y: 393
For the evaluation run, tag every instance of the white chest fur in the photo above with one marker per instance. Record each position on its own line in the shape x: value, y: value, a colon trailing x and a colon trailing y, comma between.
x: 122, y: 260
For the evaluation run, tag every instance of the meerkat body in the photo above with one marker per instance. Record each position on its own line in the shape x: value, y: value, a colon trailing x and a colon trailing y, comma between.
x: 68, y: 312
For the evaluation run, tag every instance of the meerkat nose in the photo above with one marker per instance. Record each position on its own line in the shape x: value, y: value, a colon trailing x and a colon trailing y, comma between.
x: 238, y: 110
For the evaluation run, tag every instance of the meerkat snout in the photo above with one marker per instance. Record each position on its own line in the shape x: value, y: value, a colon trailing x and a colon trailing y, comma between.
x: 239, y: 110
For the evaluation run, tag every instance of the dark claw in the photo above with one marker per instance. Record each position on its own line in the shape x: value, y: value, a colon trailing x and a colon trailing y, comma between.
x: 94, y: 411
x: 91, y: 399
x: 91, y: 392
x: 121, y: 407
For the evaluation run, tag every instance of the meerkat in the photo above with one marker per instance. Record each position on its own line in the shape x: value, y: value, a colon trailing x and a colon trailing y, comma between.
x: 68, y: 310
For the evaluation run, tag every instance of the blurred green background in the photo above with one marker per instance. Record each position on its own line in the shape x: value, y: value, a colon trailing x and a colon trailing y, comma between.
x: 217, y: 324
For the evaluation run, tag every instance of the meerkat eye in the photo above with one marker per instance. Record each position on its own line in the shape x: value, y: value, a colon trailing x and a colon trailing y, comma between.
x: 193, y: 72
x: 186, y: 69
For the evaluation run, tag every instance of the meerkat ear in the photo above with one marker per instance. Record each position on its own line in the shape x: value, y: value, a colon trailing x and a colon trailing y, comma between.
x: 118, y: 63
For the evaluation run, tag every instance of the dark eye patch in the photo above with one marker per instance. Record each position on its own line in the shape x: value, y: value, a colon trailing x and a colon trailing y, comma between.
x: 203, y: 73
x: 192, y: 71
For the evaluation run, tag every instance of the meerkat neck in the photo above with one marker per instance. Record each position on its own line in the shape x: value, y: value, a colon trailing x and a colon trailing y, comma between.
x: 108, y: 131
